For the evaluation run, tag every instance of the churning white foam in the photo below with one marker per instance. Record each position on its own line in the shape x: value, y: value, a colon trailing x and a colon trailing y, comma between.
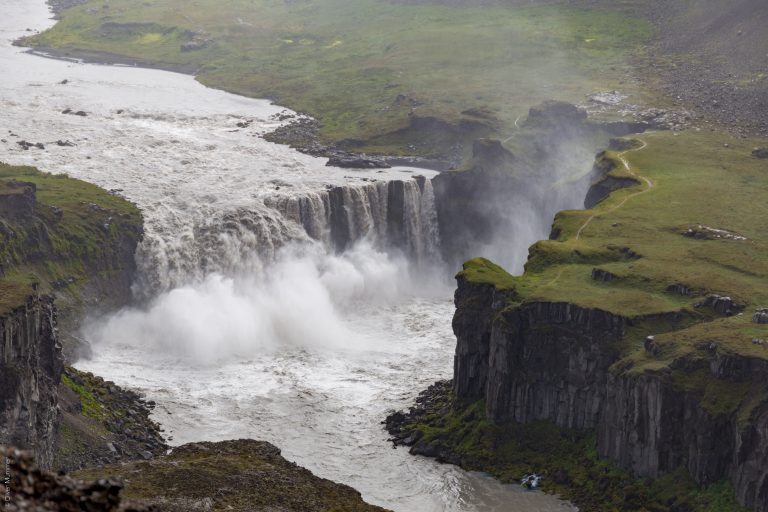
x: 296, y: 301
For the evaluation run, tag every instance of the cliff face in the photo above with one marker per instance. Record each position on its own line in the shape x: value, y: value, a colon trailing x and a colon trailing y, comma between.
x: 556, y: 362
x: 76, y: 241
x: 30, y: 371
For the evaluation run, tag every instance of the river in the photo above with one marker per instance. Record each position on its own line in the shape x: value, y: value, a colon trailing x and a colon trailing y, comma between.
x: 248, y: 328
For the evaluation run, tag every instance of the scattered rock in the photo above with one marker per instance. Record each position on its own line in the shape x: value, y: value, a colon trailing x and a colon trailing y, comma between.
x: 356, y: 161
x: 64, y: 143
x: 701, y: 232
x: 760, y: 153
x: 71, y: 112
x: 651, y: 346
x: 599, y: 274
x: 27, y: 145
x: 720, y: 304
x: 198, y: 42
x: 680, y: 289
x: 760, y: 316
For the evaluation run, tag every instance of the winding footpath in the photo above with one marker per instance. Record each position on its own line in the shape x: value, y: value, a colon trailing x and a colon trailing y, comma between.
x: 624, y: 161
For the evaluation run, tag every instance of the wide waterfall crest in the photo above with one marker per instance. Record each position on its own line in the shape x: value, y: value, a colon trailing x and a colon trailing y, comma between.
x: 394, y: 216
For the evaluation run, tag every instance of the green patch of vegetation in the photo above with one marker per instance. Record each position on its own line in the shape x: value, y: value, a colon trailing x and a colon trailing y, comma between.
x: 67, y: 232
x: 92, y: 408
x: 364, y: 69
x: 567, y: 460
x: 483, y: 271
x: 638, y: 237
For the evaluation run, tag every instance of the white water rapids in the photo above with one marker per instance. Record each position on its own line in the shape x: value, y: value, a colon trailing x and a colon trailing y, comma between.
x: 252, y: 331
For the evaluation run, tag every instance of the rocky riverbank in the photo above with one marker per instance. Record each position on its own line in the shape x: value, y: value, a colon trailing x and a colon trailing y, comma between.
x: 101, y: 423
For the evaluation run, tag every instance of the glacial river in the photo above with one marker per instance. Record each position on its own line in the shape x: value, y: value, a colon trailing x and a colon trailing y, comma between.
x: 248, y: 332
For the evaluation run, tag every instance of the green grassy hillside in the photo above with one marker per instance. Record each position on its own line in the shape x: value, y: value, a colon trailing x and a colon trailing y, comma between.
x: 693, y: 180
x: 364, y: 68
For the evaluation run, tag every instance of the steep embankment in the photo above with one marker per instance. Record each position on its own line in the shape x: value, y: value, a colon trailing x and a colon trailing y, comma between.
x: 68, y: 239
x: 30, y: 369
x: 640, y: 342
x: 508, y: 191
x: 59, y: 238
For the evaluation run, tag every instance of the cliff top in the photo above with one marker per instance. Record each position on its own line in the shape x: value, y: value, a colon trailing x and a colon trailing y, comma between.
x: 52, y: 228
x: 692, y: 227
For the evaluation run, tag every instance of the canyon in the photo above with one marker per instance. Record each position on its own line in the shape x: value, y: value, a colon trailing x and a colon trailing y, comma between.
x: 240, y: 286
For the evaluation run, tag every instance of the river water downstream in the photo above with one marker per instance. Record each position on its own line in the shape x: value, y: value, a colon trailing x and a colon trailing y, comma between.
x: 249, y: 327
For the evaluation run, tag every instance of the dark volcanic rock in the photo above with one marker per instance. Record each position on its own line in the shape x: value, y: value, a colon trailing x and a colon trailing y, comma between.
x: 553, y: 361
x: 599, y: 274
x: 30, y: 370
x: 721, y: 305
x: 760, y: 153
x: 680, y: 289
x: 27, y: 145
x: 17, y: 199
x: 557, y: 112
x: 126, y: 431
x: 27, y: 488
x: 356, y: 161
x: 760, y: 316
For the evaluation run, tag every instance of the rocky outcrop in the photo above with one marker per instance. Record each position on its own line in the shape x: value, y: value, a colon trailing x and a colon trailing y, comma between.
x: 17, y: 199
x: 557, y: 362
x: 26, y: 487
x: 102, y: 423
x: 241, y: 475
x: 30, y: 370
x: 603, y: 182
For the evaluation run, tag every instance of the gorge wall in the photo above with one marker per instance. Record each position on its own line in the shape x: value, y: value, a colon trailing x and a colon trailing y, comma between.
x: 61, y: 240
x: 30, y: 370
x: 558, y: 362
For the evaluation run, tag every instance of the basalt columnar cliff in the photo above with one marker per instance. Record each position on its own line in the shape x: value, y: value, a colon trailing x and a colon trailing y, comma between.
x: 634, y: 333
x: 561, y: 362
x: 30, y: 370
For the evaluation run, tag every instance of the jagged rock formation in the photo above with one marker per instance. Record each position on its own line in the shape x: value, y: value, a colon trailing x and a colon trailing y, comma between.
x: 558, y: 362
x: 30, y: 370
x: 26, y: 487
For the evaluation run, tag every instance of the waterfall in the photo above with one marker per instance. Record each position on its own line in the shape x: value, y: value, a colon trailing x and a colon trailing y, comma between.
x: 395, y: 215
